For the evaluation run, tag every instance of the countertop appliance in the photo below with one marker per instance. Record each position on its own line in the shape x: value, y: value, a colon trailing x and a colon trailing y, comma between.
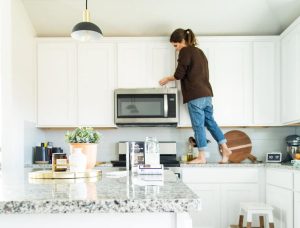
x: 293, y: 147
x: 167, y: 151
x: 274, y: 157
x: 149, y: 106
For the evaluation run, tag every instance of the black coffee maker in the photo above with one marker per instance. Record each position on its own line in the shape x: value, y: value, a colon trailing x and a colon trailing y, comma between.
x: 43, y: 154
x: 293, y: 147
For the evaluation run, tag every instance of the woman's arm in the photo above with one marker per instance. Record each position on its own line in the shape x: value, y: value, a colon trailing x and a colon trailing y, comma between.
x: 167, y: 79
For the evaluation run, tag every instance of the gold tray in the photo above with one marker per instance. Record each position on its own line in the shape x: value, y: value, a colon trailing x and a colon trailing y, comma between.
x: 49, y: 174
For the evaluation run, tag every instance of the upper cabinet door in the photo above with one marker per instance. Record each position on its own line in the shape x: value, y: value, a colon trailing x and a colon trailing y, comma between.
x: 290, y: 77
x: 56, y: 84
x: 96, y: 84
x: 230, y: 74
x: 160, y: 62
x: 141, y: 64
x: 266, y: 94
x: 132, y: 65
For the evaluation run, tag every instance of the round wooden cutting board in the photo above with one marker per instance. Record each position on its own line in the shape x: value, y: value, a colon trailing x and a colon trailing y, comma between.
x: 240, y: 145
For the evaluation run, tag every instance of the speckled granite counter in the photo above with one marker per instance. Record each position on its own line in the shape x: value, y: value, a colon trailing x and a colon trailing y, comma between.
x: 102, y: 195
x: 241, y: 165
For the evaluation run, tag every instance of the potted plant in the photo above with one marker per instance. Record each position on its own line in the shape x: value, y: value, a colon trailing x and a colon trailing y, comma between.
x: 87, y: 139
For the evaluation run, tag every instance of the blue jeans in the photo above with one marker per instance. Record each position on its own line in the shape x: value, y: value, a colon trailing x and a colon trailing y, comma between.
x: 201, y: 114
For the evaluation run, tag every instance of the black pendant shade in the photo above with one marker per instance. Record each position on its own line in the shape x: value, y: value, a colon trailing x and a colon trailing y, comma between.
x: 86, y: 30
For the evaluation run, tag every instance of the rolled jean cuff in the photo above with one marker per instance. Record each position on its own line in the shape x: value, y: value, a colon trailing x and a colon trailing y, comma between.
x: 202, y: 148
x: 222, y: 141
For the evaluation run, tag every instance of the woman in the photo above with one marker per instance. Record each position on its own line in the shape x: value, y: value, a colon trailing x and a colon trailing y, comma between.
x: 192, y: 71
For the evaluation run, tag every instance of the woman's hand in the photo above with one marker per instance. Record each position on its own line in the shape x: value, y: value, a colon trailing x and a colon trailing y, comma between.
x: 165, y: 80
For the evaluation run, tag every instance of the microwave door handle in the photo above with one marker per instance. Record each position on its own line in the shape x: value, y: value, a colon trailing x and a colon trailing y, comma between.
x: 166, y: 105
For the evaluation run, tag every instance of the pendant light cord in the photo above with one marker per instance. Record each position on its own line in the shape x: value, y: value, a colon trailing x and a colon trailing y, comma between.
x: 86, y: 4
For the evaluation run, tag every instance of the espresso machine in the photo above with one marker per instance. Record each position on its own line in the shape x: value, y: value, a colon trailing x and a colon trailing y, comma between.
x: 292, y: 147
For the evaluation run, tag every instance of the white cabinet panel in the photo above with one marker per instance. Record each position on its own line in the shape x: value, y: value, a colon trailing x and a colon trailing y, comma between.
x: 265, y: 83
x: 282, y: 202
x: 142, y: 64
x: 96, y: 83
x: 220, y: 175
x: 160, y: 62
x: 231, y: 83
x: 132, y: 65
x: 280, y: 178
x: 210, y: 215
x: 290, y: 80
x: 297, y: 181
x: 297, y: 209
x: 56, y: 84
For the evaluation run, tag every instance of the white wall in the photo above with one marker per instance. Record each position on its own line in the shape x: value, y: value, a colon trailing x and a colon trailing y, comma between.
x: 18, y: 86
x: 263, y: 139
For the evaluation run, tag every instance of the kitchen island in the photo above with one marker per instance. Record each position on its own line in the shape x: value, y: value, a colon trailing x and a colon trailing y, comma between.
x: 109, y: 200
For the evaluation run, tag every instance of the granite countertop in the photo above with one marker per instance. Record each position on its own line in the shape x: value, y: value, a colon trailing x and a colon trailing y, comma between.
x: 105, y: 194
x: 231, y: 165
x: 185, y: 165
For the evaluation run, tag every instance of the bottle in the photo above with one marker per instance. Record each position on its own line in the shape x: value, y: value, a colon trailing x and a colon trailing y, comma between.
x: 152, y: 151
x: 189, y: 156
x: 59, y: 162
x: 77, y: 160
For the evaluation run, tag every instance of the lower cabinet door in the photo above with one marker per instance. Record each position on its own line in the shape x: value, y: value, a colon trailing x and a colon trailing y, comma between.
x: 231, y: 197
x: 282, y: 202
x: 209, y: 216
x: 297, y: 209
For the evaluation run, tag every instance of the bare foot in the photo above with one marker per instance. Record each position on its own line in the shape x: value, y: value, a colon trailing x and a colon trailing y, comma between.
x: 225, y: 155
x: 197, y: 161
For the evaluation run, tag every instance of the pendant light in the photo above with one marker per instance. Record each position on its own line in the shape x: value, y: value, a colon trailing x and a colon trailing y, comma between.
x: 86, y: 30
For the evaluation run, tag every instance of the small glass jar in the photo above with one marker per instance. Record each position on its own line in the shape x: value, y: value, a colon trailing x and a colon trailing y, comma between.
x: 59, y: 162
x: 152, y: 156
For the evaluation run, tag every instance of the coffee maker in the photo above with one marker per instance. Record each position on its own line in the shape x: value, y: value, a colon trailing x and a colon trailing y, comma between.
x: 293, y: 147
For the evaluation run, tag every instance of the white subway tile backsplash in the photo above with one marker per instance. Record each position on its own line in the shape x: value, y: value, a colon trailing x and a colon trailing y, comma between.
x: 263, y: 139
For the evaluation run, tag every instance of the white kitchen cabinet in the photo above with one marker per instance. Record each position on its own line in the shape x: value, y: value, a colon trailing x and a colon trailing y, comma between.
x: 210, y: 195
x: 56, y: 84
x: 297, y: 209
x: 96, y: 84
x: 221, y: 191
x: 231, y: 82
x: 290, y: 71
x: 266, y: 107
x: 279, y: 194
x: 245, y: 81
x: 141, y: 64
x: 282, y: 202
x: 297, y: 199
x: 132, y: 65
x: 160, y: 62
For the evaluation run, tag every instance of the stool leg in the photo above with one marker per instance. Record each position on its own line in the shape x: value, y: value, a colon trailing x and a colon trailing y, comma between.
x: 248, y: 224
x: 241, y: 219
x: 261, y: 222
x: 271, y: 225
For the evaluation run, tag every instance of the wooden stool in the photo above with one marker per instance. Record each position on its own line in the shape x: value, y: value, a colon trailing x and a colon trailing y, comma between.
x: 261, y: 209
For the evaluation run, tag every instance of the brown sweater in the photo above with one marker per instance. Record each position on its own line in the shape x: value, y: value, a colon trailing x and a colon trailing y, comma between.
x: 192, y: 71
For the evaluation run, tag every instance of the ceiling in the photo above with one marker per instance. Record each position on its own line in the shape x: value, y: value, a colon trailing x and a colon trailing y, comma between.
x: 161, y: 17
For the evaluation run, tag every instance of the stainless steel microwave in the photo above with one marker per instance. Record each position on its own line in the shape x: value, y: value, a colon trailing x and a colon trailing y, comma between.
x: 149, y: 106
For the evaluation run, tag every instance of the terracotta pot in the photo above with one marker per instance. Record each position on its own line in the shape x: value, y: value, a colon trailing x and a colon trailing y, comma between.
x: 90, y: 151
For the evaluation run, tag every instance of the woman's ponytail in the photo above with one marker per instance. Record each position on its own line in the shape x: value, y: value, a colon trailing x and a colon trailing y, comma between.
x: 190, y: 38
